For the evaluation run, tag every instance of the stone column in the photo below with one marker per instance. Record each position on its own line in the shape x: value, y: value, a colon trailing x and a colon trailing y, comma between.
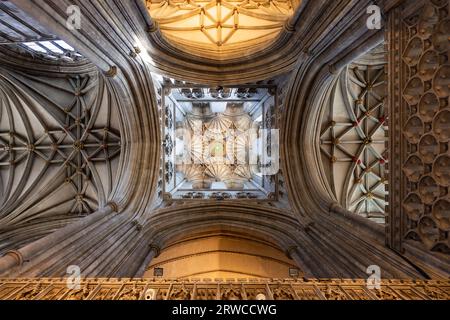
x: 153, y: 253
x: 16, y: 258
x: 295, y: 254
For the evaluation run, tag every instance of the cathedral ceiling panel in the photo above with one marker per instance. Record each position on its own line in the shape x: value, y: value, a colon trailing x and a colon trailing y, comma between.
x: 17, y: 27
x: 353, y: 138
x: 60, y: 144
x: 22, y: 34
x: 222, y: 27
x: 84, y: 145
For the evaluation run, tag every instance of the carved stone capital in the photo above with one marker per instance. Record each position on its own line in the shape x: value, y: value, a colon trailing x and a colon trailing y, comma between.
x: 333, y: 70
x: 335, y: 207
x: 155, y: 248
x: 134, y: 53
x: 308, y: 225
x: 307, y: 52
x: 291, y: 251
x: 114, y: 206
x: 112, y: 72
x: 137, y: 224
x: 153, y: 28
x: 272, y: 91
x: 16, y: 255
x: 288, y: 27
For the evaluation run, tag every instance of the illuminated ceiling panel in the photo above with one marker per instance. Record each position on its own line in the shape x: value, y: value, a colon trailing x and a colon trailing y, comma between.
x: 220, y: 24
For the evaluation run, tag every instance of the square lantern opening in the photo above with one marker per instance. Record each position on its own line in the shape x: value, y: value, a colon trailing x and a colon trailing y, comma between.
x: 219, y: 143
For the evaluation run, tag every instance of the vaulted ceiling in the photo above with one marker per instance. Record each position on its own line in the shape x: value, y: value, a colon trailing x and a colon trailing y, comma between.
x: 58, y: 156
x: 18, y: 27
x: 221, y: 28
x: 353, y: 136
x: 83, y: 141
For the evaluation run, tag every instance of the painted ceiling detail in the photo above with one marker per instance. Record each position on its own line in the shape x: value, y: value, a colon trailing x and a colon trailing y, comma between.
x: 220, y: 23
x: 353, y: 140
